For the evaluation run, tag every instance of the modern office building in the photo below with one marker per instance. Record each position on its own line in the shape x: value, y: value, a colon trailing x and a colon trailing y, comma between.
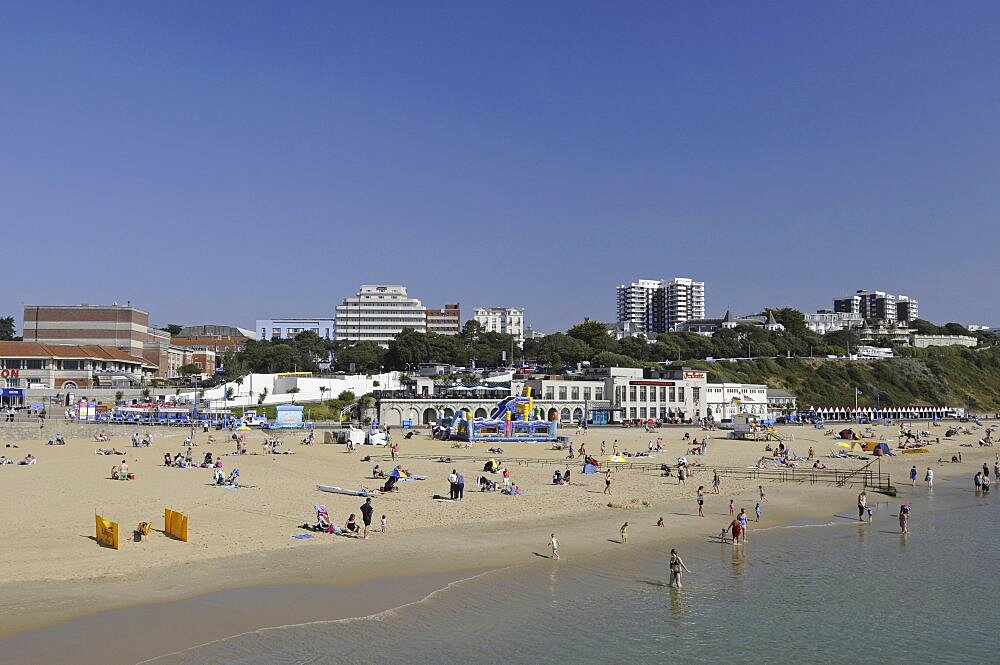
x: 445, y: 320
x: 378, y: 313
x: 878, y: 306
x: 505, y: 320
x: 267, y: 329
x: 115, y: 326
x: 660, y: 305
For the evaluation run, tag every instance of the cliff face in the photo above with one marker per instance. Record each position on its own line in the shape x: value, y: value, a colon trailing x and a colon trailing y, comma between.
x: 966, y: 378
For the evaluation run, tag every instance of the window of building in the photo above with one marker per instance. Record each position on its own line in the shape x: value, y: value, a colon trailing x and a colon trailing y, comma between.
x: 632, y: 412
x: 574, y: 392
x: 599, y: 392
x: 642, y: 394
x: 562, y: 392
x: 33, y: 363
x: 642, y: 412
x: 72, y: 364
x: 586, y: 393
x: 12, y: 363
x: 680, y: 394
x: 696, y: 394
x: 663, y: 394
x: 631, y: 393
x: 548, y: 393
x: 673, y: 394
x: 13, y: 383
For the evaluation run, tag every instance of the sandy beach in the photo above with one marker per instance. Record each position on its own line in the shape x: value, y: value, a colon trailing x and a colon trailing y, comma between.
x: 243, y: 538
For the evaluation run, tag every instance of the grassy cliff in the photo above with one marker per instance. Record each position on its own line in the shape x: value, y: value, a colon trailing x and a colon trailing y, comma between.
x: 949, y: 376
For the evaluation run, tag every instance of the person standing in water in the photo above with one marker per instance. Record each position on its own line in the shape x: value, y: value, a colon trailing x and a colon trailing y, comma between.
x: 913, y: 476
x: 554, y: 544
x: 929, y: 477
x: 904, y: 518
x: 862, y: 505
x: 677, y: 568
x: 701, y: 500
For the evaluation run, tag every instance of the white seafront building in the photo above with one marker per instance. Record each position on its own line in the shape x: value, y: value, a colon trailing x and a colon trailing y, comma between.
x: 267, y: 329
x: 504, y: 320
x: 378, y: 313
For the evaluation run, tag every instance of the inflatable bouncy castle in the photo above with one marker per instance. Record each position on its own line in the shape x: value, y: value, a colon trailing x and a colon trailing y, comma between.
x: 513, y: 419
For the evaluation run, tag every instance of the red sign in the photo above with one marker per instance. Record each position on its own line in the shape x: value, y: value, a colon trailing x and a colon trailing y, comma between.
x: 651, y: 383
x: 10, y: 373
x: 694, y: 375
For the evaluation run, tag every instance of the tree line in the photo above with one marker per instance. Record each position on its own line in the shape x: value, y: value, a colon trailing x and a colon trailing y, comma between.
x: 588, y: 341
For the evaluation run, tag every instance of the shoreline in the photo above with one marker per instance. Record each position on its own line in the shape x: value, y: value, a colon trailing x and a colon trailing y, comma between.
x: 242, y: 540
x: 274, y: 589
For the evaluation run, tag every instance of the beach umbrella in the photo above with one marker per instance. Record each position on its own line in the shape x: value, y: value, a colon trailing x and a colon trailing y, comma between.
x: 845, y: 444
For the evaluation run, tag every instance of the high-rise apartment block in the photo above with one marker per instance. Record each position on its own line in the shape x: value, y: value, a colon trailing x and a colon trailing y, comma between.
x: 878, y: 305
x: 660, y: 305
x: 378, y: 313
x: 505, y: 320
x: 445, y: 320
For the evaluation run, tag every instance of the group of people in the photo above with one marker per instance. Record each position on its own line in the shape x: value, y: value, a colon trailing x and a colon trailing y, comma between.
x: 351, y: 528
x: 559, y: 478
x: 27, y: 461
x: 457, y: 482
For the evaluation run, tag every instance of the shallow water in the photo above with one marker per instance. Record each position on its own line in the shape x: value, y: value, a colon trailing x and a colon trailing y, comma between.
x: 828, y: 591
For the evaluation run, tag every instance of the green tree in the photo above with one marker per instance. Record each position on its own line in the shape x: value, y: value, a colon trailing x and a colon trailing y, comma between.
x: 189, y: 370
x: 346, y: 396
x: 118, y: 396
x: 366, y: 356
x: 594, y: 334
x: 7, y: 328
x: 172, y: 328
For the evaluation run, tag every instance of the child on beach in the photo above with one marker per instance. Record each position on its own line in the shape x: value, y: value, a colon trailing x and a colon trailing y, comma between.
x: 732, y: 507
x: 554, y: 544
x: 756, y: 511
x: 624, y: 533
x: 383, y: 524
x: 659, y: 522
x: 760, y: 488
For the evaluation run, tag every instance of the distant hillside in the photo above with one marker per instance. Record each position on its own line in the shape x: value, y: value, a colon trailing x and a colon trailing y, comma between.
x: 948, y: 376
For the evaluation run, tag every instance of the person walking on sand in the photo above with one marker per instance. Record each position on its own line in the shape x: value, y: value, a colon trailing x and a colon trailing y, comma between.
x: 763, y: 497
x: 607, y: 481
x: 554, y: 544
x: 366, y: 515
x: 862, y: 506
x: 929, y: 477
x: 677, y: 568
x: 732, y: 507
x: 506, y: 478
x: 624, y: 533
x: 602, y: 449
x: 913, y: 475
x: 701, y: 500
x: 716, y: 482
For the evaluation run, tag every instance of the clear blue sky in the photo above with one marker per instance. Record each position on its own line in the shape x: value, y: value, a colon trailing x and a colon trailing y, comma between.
x: 221, y: 162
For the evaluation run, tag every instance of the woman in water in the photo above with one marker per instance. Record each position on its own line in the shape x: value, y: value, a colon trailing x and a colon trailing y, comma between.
x: 677, y: 567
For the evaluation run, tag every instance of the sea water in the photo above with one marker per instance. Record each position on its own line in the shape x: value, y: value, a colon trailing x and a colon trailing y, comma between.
x: 827, y: 591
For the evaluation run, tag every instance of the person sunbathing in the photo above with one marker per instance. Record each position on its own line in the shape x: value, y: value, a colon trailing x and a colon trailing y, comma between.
x: 377, y: 472
x: 352, y: 525
x: 762, y: 463
x: 29, y: 460
x: 818, y: 465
